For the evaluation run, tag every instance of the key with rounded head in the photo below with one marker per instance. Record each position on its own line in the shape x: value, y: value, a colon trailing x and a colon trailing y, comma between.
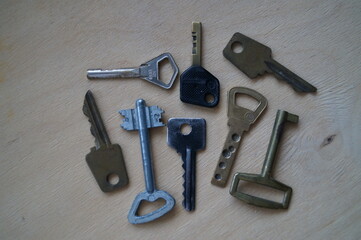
x: 105, y: 160
x: 255, y: 59
x: 265, y: 178
x: 148, y: 71
x: 141, y: 118
x: 187, y: 144
x: 239, y: 121
x: 197, y: 85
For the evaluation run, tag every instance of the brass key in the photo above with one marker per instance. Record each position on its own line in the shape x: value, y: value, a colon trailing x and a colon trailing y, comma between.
x: 105, y: 159
x: 255, y: 59
x: 265, y: 178
x: 239, y: 121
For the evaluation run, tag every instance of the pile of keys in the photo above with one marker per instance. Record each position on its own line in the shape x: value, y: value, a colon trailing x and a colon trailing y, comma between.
x: 197, y: 87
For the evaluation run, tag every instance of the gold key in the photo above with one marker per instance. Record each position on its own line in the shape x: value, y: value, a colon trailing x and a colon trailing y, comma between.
x: 239, y: 121
x: 105, y: 160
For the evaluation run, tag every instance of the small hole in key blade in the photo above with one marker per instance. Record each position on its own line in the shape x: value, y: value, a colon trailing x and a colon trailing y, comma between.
x: 231, y: 149
x: 209, y: 98
x: 237, y: 47
x: 165, y: 71
x: 146, y: 207
x: 186, y: 129
x: 218, y: 177
x: 245, y: 101
x: 222, y: 165
x: 235, y: 137
x: 226, y: 153
x: 260, y: 191
x: 113, y: 179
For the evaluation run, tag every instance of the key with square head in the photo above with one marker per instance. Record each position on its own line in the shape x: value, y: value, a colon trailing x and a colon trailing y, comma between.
x: 187, y: 144
x: 141, y: 118
x: 265, y: 178
x: 105, y: 160
x: 148, y: 71
x: 254, y: 59
x: 197, y: 85
x: 239, y: 121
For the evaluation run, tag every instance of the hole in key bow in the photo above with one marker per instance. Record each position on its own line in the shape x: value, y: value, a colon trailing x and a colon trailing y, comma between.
x: 113, y: 179
x: 209, y: 98
x: 165, y: 71
x: 237, y: 47
x: 186, y: 129
x: 245, y: 101
x: 146, y: 207
x: 260, y: 191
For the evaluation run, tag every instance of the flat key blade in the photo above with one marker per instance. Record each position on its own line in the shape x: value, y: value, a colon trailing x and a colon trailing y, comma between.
x: 255, y: 59
x: 187, y: 143
x: 97, y: 128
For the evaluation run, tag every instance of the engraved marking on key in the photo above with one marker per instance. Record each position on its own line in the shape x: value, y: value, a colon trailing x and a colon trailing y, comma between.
x: 187, y: 145
x: 239, y: 121
x: 265, y: 178
x: 141, y: 118
x: 197, y: 85
x: 105, y: 159
x: 148, y: 71
x: 255, y: 59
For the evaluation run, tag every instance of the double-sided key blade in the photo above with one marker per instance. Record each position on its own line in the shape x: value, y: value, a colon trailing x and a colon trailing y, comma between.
x: 105, y: 160
x: 90, y: 109
x: 187, y: 143
x: 255, y: 59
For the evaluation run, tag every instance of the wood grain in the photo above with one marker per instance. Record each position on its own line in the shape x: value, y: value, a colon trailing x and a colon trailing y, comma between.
x: 47, y: 190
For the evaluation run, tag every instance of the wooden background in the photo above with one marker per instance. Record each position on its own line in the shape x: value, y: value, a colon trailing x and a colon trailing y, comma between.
x: 48, y: 192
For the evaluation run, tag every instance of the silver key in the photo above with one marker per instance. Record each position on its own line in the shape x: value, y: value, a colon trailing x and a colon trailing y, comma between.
x: 148, y: 71
x: 141, y: 118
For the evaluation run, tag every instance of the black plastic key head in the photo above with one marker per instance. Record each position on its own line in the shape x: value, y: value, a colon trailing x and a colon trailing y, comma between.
x: 199, y: 87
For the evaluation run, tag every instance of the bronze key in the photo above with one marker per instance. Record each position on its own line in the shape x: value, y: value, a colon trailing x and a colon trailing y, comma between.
x: 265, y: 178
x: 239, y: 121
x: 255, y: 59
x: 105, y: 160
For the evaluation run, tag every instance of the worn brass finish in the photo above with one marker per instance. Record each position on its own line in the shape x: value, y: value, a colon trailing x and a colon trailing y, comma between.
x: 105, y: 159
x: 255, y: 59
x: 239, y: 121
x: 265, y: 178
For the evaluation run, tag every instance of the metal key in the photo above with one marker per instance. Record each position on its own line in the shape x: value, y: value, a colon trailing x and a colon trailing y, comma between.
x: 239, y: 121
x: 197, y: 85
x: 105, y: 159
x: 265, y: 178
x: 148, y: 71
x: 255, y: 59
x: 141, y: 118
x: 187, y: 144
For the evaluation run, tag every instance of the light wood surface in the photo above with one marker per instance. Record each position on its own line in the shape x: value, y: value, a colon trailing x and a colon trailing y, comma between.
x: 48, y: 192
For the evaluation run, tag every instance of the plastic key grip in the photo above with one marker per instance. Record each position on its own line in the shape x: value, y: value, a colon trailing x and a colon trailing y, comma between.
x: 199, y: 87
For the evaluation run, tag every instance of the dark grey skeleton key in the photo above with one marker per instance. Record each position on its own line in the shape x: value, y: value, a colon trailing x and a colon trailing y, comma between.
x: 187, y: 144
x: 255, y: 59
